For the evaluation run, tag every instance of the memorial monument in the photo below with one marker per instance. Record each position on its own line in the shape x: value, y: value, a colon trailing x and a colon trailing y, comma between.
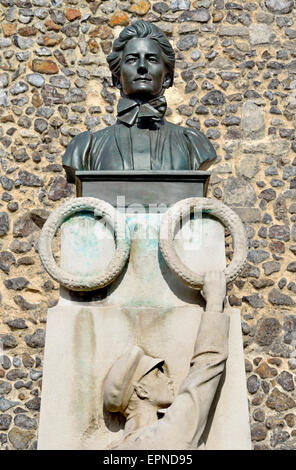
x: 144, y: 360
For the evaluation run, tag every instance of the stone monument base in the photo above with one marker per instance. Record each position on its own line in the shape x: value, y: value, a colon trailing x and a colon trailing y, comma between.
x: 147, y: 305
x: 82, y: 343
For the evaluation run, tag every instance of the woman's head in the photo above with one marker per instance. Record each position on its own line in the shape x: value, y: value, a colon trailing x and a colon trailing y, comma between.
x: 141, y: 29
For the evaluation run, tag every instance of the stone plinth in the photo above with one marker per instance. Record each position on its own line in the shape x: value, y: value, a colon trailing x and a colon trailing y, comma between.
x: 148, y: 306
x: 84, y: 341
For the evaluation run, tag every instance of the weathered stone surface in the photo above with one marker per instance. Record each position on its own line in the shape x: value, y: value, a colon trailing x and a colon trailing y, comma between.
x: 5, y: 421
x: 248, y: 167
x: 255, y: 300
x: 259, y: 415
x: 46, y: 66
x: 33, y: 404
x: 72, y: 14
x: 4, y: 98
x: 248, y: 214
x: 253, y: 384
x: 22, y: 42
x: 36, y: 340
x: 40, y: 125
x: 5, y: 387
x: 200, y: 15
x: 186, y: 42
x: 27, y: 31
x: 292, y: 267
x: 35, y: 374
x: 250, y: 271
x: 5, y: 362
x: 160, y: 7
x: 15, y: 374
x: 238, y: 192
x: 17, y: 283
x: 276, y: 297
x: 215, y: 97
x: 39, y: 216
x: 267, y: 330
x: 257, y: 256
x: 71, y: 29
x: 6, y: 261
x: 49, y: 40
x: 278, y: 438
x: 7, y: 404
x: 8, y: 29
x: 19, y: 87
x: 261, y: 34
x: 285, y: 379
x: 27, y: 360
x: 268, y: 194
x: 289, y: 328
x: 140, y: 7
x: 177, y: 5
x: 282, y: 282
x: 29, y: 179
x: 279, y: 232
x: 253, y: 122
x: 261, y: 283
x: 51, y: 96
x: 22, y: 227
x: 18, y: 246
x: 75, y: 95
x: 227, y: 30
x: 59, y: 189
x: 7, y: 341
x: 279, y: 6
x: 24, y: 422
x: 4, y: 223
x: 119, y: 19
x: 24, y: 304
x: 35, y: 79
x: 290, y: 419
x: 17, y: 323
x: 277, y: 247
x: 265, y: 371
x: 20, y: 439
x: 258, y: 432
x: 279, y: 349
x: 279, y: 401
x: 271, y: 267
x: 60, y: 81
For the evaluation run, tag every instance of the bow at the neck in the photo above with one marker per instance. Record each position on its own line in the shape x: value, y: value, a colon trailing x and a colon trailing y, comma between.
x: 128, y: 110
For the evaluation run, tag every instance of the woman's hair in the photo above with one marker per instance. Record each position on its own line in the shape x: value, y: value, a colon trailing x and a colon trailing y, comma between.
x: 140, y: 29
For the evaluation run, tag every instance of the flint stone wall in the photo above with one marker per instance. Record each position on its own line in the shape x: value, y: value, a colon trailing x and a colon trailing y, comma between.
x: 236, y: 81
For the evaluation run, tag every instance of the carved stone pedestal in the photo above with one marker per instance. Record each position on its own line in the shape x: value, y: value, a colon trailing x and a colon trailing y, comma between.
x: 147, y: 306
x: 81, y: 346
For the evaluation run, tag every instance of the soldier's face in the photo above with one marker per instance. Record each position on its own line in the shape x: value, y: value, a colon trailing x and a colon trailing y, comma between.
x: 159, y: 387
x: 143, y: 70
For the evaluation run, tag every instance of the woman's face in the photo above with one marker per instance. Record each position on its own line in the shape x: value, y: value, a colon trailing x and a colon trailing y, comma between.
x: 143, y: 70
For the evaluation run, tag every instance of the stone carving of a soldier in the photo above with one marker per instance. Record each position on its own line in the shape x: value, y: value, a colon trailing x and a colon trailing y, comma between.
x: 142, y: 66
x: 137, y: 386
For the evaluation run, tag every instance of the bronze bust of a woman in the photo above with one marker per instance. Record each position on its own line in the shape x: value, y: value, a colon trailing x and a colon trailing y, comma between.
x: 142, y: 66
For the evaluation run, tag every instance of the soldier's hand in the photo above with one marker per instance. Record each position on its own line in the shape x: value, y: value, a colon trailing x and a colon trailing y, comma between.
x: 214, y: 290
